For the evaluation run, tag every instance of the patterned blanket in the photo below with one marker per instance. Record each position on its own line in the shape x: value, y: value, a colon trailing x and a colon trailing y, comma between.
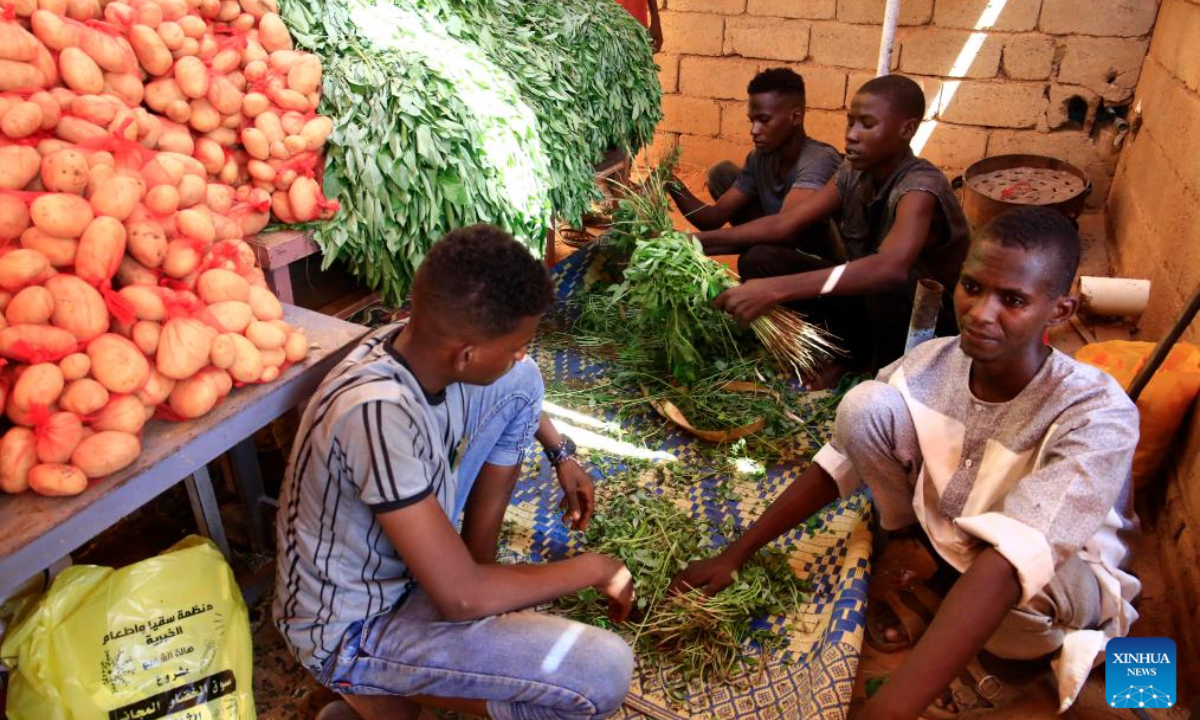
x: 814, y: 676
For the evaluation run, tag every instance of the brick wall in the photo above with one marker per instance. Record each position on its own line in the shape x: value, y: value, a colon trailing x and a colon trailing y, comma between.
x: 1154, y: 218
x: 1010, y: 96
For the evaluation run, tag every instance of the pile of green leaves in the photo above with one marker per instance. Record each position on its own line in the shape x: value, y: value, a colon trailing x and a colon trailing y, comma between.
x: 452, y: 112
x: 585, y: 67
x: 428, y: 136
x: 689, y: 636
x: 672, y: 285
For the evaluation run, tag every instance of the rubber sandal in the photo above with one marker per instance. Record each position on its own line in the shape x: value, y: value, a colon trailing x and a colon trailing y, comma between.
x: 975, y: 691
x: 898, y: 586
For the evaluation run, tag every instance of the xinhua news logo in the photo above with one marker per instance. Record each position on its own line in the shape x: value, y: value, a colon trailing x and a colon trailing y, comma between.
x: 1140, y: 672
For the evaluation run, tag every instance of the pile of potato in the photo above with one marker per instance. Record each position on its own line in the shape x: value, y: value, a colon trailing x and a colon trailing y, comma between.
x: 142, y: 141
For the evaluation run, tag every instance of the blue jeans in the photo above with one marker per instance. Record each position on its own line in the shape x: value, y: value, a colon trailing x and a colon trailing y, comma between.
x: 526, y: 665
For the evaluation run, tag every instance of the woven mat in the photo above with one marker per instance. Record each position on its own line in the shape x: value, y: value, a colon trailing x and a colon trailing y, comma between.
x: 814, y: 676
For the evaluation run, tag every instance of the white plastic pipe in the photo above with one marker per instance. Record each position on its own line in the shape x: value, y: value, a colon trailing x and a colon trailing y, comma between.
x: 887, y: 39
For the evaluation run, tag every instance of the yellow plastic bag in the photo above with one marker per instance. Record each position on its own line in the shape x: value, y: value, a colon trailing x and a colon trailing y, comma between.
x: 1164, y: 402
x: 164, y: 639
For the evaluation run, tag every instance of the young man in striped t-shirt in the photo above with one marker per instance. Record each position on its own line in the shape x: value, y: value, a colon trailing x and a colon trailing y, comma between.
x: 422, y: 426
x: 1007, y: 458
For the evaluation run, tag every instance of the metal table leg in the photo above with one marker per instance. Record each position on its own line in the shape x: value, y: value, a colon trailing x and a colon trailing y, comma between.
x: 247, y: 478
x: 205, y: 508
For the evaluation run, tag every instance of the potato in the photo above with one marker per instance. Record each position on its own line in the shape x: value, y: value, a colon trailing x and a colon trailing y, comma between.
x: 192, y: 76
x: 127, y: 87
x: 111, y: 53
x: 305, y: 75
x: 100, y: 250
x: 83, y: 397
x: 59, y: 251
x: 105, y: 453
x: 118, y: 364
x: 150, y: 49
x: 265, y: 336
x: 255, y: 104
x: 80, y: 72
x: 118, y: 196
x: 22, y: 120
x: 192, y: 190
x: 17, y: 458
x: 182, y: 259
x: 39, y: 386
x: 316, y: 131
x: 50, y: 110
x: 296, y: 347
x: 304, y: 197
x: 32, y: 305
x: 65, y: 171
x: 77, y: 130
x: 147, y: 243
x: 14, y: 217
x: 53, y: 31
x: 19, y: 165
x: 61, y: 214
x: 57, y: 479
x: 162, y: 92
x: 203, y: 117
x: 75, y: 366
x: 171, y: 34
x: 145, y: 335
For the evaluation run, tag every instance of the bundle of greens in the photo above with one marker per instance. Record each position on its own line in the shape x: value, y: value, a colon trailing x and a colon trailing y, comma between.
x: 429, y: 136
x: 585, y: 67
x: 689, y: 636
x: 451, y: 112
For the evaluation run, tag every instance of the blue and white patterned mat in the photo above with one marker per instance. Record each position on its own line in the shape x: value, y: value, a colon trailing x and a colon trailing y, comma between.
x: 814, y: 676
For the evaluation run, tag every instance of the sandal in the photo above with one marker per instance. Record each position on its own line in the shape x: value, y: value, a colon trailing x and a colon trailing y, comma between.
x: 974, y: 692
x: 898, y: 595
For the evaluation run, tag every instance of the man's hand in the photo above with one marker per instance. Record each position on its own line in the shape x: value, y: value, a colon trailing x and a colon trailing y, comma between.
x: 710, y: 576
x: 579, y: 494
x: 748, y: 301
x: 619, y: 590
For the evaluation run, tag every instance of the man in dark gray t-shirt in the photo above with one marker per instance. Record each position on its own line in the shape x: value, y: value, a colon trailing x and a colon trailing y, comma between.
x: 785, y: 166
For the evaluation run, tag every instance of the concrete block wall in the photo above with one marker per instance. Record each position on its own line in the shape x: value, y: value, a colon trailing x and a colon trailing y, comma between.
x: 1154, y: 223
x: 1010, y: 95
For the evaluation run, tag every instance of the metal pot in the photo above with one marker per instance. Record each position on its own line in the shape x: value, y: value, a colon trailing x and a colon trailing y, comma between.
x: 1052, y: 183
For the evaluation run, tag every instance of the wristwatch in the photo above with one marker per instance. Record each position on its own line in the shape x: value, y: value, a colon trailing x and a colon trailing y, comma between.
x: 565, y: 451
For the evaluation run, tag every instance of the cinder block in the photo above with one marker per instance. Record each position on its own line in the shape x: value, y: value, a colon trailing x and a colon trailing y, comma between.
x: 668, y: 72
x: 658, y: 150
x: 1073, y: 146
x: 724, y: 78
x: 929, y: 86
x: 949, y: 53
x: 1115, y: 18
x: 723, y: 7
x: 953, y: 147
x: 1175, y: 38
x: 1108, y: 67
x: 690, y: 115
x: 844, y: 45
x: 992, y: 104
x: 802, y: 9
x: 735, y: 125
x: 1060, y: 98
x: 767, y: 38
x: 687, y: 33
x: 828, y: 126
x: 1015, y: 16
x: 1028, y: 57
x: 1169, y: 113
x: 824, y: 87
x: 871, y: 12
x: 704, y: 151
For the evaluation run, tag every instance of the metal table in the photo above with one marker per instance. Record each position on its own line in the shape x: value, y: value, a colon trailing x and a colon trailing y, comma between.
x: 40, y: 531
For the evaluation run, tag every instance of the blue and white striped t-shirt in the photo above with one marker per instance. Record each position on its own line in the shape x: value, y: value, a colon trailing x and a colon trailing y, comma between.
x: 371, y: 441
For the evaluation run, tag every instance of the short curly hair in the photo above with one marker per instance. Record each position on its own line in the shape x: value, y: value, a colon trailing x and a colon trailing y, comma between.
x: 481, y: 281
x: 1039, y: 230
x: 782, y: 81
x: 903, y: 95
